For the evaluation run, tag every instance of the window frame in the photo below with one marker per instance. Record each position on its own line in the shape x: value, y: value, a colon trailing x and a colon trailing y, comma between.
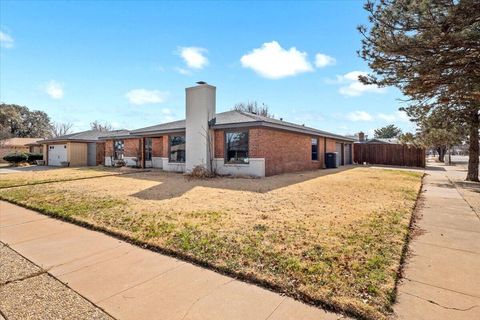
x: 148, y: 149
x: 115, y: 155
x: 225, y: 147
x: 316, y: 148
x: 170, y: 146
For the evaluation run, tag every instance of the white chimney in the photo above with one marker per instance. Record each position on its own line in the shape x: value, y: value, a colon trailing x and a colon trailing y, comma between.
x: 200, y: 109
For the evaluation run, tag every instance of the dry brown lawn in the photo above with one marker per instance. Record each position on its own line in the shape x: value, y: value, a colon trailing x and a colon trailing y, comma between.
x: 332, y: 237
x: 54, y: 175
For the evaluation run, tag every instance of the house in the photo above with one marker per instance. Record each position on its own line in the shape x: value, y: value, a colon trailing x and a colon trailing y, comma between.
x: 16, y: 145
x: 76, y: 149
x: 362, y: 138
x: 34, y: 147
x: 232, y: 142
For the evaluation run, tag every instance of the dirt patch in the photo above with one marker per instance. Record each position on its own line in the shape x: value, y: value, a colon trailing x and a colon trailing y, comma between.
x: 29, y: 293
x: 333, y: 237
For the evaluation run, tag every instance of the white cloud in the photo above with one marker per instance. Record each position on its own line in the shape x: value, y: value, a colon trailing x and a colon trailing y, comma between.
x: 359, y: 116
x: 395, y: 117
x: 183, y: 71
x: 6, y: 40
x: 398, y: 116
x: 322, y: 60
x: 144, y: 96
x: 54, y: 89
x: 273, y: 62
x: 194, y: 57
x: 353, y: 87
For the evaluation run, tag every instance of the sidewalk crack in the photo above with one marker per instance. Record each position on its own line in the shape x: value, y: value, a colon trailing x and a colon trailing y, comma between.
x: 204, y: 296
x: 440, y: 305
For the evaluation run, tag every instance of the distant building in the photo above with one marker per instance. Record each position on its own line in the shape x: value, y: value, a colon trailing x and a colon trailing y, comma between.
x: 16, y: 145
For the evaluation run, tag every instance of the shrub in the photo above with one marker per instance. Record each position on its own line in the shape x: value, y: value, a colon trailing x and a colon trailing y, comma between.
x: 200, y: 172
x: 16, y: 157
x: 32, y: 157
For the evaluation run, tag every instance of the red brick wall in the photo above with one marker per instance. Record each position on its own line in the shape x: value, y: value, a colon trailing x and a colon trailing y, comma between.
x: 108, y: 148
x: 157, y: 146
x: 165, y: 146
x: 100, y: 153
x: 219, y: 143
x: 132, y: 147
x: 331, y: 145
x: 283, y: 151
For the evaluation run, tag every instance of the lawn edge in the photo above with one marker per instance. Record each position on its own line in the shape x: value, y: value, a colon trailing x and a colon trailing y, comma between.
x: 407, y: 240
x: 323, y: 303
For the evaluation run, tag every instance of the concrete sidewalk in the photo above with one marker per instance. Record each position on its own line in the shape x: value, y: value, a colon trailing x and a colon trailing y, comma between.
x: 132, y: 283
x: 442, y: 275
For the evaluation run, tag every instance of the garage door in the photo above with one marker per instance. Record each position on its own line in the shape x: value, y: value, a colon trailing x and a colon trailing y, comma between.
x: 338, y: 149
x: 92, y: 154
x: 348, y: 154
x: 56, y: 154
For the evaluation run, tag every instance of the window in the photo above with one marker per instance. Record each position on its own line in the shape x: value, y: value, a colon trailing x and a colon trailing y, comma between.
x: 148, y: 149
x: 176, y: 148
x: 314, y: 149
x: 118, y: 148
x: 236, y: 145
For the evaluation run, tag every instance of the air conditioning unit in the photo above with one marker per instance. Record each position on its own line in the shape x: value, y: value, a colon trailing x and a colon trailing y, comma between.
x: 331, y: 160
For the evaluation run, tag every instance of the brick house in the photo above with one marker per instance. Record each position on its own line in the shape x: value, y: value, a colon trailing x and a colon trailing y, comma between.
x: 232, y: 142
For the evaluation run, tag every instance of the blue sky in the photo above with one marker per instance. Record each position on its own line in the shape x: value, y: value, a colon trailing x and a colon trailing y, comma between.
x: 128, y: 63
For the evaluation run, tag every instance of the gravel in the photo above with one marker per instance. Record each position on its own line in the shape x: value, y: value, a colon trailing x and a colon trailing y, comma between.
x: 27, y: 292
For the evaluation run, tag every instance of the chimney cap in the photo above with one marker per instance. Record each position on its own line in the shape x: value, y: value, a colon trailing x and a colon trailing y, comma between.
x: 201, y: 82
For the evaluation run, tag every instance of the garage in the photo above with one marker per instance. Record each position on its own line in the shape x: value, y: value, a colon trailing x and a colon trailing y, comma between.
x: 76, y: 149
x: 348, y: 154
x: 57, y: 153
x: 339, y: 151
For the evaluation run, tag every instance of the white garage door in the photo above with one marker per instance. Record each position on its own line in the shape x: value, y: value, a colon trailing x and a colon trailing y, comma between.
x: 56, y: 154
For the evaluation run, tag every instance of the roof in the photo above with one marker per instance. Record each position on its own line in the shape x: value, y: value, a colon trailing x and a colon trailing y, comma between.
x: 236, y: 119
x: 18, y: 142
x: 86, y: 136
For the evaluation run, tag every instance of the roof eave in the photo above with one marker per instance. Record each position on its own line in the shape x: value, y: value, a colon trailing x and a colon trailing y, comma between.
x: 280, y: 127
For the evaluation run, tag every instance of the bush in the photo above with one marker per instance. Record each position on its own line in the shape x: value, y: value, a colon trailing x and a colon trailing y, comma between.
x: 32, y: 157
x: 16, y: 157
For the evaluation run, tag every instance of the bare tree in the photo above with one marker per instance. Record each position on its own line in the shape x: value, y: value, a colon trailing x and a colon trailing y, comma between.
x: 102, y: 127
x: 61, y: 129
x: 253, y: 107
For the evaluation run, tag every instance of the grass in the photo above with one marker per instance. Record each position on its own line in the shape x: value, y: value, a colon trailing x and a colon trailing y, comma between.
x: 53, y: 175
x: 334, y: 239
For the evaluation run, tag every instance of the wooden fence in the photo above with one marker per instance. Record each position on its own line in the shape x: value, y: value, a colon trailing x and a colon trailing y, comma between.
x: 389, y: 154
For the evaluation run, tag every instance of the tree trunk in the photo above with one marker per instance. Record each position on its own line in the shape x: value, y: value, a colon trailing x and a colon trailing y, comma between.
x: 473, y: 153
x: 441, y: 154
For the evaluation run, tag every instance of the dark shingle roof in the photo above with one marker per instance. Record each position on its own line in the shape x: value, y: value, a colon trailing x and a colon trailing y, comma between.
x: 232, y: 119
x: 86, y: 136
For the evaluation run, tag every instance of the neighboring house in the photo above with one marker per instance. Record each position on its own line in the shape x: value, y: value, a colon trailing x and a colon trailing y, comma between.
x: 233, y: 142
x: 35, y: 147
x: 76, y: 149
x: 15, y: 145
x: 362, y: 138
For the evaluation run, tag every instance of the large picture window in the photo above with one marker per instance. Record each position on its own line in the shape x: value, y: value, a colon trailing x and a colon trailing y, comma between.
x: 176, y: 148
x: 148, y: 149
x: 236, y: 145
x: 118, y: 149
x: 314, y: 149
